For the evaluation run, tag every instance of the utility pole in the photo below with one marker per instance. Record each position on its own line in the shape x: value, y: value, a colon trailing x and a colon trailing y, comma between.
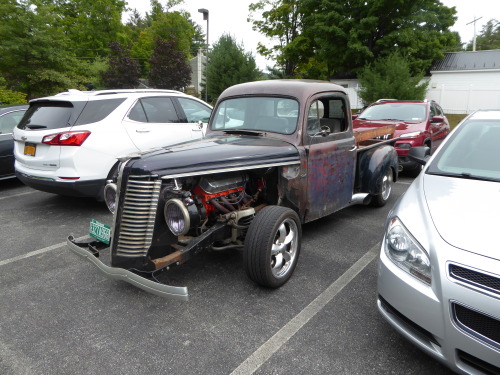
x: 474, y: 39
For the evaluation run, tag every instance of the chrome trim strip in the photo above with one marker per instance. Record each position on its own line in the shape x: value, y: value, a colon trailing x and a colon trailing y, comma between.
x: 232, y: 169
x: 162, y: 290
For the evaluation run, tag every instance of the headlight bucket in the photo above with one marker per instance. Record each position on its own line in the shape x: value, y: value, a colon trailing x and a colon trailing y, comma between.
x: 406, y: 252
x: 110, y: 196
x: 177, y: 217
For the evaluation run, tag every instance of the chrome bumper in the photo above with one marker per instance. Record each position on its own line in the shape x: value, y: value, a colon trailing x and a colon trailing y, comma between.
x: 150, y: 286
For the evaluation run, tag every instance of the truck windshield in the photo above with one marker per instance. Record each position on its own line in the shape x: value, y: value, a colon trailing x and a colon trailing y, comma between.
x: 266, y: 114
x: 471, y: 153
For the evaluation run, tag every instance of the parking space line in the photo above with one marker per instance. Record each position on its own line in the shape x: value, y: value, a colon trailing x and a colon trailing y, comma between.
x: 37, y: 252
x: 403, y: 183
x: 18, y: 195
x: 271, y: 346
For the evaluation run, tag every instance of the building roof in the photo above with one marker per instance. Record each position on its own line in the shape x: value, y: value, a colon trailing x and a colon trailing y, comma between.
x: 470, y: 60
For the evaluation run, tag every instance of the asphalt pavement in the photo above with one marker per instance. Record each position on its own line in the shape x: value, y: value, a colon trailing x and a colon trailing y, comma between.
x: 59, y: 315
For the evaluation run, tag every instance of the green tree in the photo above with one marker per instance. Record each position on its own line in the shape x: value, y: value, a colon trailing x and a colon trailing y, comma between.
x: 228, y: 64
x: 123, y: 71
x: 488, y: 38
x: 170, y: 68
x: 90, y: 25
x: 391, y: 77
x: 338, y: 36
x: 33, y: 51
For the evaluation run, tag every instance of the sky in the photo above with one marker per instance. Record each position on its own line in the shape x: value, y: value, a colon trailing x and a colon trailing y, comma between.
x: 230, y: 17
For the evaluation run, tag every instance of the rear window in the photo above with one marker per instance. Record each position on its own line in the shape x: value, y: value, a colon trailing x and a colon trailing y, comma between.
x: 63, y: 114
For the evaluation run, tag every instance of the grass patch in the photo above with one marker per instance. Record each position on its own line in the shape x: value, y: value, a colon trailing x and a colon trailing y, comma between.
x: 454, y: 119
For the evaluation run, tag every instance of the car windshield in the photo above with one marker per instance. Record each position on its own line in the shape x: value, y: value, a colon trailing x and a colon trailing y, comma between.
x: 261, y: 114
x: 473, y: 152
x: 395, y: 111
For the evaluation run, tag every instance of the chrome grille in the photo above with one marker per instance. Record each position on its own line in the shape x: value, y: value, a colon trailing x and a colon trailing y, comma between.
x: 475, y: 278
x: 137, y: 218
x: 484, y: 327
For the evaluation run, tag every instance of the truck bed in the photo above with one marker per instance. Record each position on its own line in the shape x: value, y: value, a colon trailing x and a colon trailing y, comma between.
x: 373, y: 137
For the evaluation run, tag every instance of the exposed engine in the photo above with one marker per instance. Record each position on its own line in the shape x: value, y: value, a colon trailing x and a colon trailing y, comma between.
x: 194, y: 204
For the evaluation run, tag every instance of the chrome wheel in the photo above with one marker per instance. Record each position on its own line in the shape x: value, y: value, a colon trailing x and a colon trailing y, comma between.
x: 284, y: 248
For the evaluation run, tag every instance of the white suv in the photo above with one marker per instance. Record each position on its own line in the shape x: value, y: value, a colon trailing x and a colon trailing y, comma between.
x: 69, y: 143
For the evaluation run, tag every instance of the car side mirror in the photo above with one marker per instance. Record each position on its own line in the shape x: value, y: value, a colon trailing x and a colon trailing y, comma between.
x: 420, y: 154
x: 437, y: 119
x: 354, y: 117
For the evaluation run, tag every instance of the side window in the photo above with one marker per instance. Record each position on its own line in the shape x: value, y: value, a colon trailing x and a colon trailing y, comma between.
x: 97, y: 110
x: 194, y: 111
x: 9, y: 121
x: 434, y: 111
x: 327, y: 113
x: 159, y: 110
x: 316, y: 111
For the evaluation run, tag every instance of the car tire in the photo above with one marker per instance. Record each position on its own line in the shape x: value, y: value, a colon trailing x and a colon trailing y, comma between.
x: 385, y: 189
x: 272, y: 246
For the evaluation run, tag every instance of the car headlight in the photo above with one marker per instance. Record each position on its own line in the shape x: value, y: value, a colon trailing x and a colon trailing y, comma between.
x: 110, y: 196
x: 177, y: 217
x: 411, y: 135
x: 406, y: 252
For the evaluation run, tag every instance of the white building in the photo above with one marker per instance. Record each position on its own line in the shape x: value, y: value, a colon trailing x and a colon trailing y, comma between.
x: 461, y: 83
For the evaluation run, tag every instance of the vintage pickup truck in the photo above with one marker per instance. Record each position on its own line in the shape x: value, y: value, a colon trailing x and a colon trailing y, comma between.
x: 276, y: 154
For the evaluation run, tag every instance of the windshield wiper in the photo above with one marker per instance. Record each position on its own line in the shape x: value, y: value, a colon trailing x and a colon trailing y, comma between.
x: 464, y: 175
x: 242, y: 131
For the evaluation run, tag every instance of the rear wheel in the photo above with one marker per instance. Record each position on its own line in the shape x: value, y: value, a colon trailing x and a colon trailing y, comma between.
x: 272, y: 246
x: 385, y: 189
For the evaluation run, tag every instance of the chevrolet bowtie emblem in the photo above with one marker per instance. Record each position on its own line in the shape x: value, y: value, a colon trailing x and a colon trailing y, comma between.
x: 23, y: 138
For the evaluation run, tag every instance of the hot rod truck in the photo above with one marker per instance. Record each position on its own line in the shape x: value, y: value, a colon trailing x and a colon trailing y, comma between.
x: 276, y: 154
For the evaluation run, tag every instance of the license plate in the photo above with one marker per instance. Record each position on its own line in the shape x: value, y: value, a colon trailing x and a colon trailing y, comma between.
x: 29, y: 149
x: 100, y: 231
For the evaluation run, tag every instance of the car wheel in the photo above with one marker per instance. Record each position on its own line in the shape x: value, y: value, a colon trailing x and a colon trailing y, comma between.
x: 385, y: 189
x: 272, y: 246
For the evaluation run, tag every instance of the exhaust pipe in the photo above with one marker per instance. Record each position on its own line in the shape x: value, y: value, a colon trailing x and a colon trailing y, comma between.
x: 361, y: 198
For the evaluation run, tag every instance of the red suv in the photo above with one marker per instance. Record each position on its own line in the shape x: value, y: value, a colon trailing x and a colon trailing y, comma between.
x: 418, y: 123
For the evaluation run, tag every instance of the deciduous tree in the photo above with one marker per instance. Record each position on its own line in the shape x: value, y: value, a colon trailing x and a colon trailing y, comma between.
x: 169, y: 67
x: 123, y: 71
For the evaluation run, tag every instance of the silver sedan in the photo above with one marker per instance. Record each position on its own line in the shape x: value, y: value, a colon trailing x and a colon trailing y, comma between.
x: 439, y: 267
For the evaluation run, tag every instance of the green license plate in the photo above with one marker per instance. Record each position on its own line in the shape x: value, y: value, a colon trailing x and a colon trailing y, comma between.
x: 100, y: 231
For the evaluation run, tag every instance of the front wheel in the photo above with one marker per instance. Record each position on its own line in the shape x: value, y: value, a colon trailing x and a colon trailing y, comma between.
x: 384, y: 189
x: 272, y: 246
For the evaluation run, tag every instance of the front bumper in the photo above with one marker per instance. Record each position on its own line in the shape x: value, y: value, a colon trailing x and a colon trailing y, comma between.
x: 427, y: 316
x: 90, y: 251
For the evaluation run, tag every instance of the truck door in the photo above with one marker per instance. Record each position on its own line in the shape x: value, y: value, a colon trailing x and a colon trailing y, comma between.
x: 331, y: 156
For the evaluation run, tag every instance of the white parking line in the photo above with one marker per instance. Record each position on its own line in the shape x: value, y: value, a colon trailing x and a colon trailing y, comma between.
x: 404, y: 183
x: 18, y: 195
x: 38, y: 252
x: 271, y: 346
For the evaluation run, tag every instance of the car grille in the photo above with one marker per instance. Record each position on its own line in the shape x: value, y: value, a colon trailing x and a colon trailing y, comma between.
x: 478, y: 364
x: 137, y: 217
x: 475, y: 278
x: 480, y: 325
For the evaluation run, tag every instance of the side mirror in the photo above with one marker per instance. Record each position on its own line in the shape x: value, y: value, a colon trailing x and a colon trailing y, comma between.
x: 437, y: 119
x: 354, y: 117
x: 420, y: 154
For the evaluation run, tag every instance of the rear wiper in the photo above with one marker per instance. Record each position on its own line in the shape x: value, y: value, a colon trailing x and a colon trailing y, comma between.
x: 36, y: 127
x: 246, y: 132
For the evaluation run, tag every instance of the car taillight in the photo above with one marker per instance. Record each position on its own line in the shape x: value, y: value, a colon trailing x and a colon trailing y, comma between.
x: 75, y: 138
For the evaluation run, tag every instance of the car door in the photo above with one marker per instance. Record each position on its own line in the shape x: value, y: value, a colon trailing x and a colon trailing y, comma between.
x: 331, y: 156
x: 155, y: 122
x: 195, y: 113
x: 7, y: 123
